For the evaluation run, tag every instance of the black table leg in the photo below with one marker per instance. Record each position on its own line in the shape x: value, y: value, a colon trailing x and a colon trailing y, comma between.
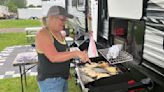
x: 21, y: 74
x: 24, y: 72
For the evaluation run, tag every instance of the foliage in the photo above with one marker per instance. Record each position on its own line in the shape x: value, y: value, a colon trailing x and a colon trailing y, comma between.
x: 31, y: 6
x: 12, y: 7
x: 20, y: 3
x: 38, y: 6
x: 2, y: 2
x: 13, y: 4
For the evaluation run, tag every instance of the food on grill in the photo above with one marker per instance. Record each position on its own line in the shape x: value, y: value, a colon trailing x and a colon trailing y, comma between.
x: 89, y: 72
x: 101, y: 75
x: 111, y: 69
x: 98, y: 70
x: 86, y: 78
x: 91, y: 65
x: 103, y: 64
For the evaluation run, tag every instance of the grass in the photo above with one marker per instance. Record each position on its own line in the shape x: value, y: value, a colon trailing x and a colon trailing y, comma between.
x: 10, y: 39
x: 19, y: 23
x: 13, y: 85
x: 71, y: 84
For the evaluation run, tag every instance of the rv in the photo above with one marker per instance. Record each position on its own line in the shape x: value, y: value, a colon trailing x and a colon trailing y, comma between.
x: 29, y: 13
x: 136, y: 24
x: 4, y: 13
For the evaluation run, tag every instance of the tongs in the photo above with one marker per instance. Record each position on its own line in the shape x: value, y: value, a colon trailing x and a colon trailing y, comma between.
x: 81, y: 63
x: 89, y: 62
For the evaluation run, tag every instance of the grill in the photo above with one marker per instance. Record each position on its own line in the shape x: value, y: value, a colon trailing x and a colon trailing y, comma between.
x: 121, y: 81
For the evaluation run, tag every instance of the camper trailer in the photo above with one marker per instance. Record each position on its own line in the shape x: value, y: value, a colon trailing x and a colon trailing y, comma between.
x: 4, y: 13
x: 29, y: 13
x: 136, y: 24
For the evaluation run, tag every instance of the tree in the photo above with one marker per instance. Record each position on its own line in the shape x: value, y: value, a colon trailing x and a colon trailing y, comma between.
x: 12, y: 7
x: 31, y: 6
x: 39, y: 6
x: 14, y: 4
x: 20, y: 3
x: 2, y: 2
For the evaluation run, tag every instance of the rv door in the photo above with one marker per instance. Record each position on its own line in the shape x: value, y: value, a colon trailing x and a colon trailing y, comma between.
x: 127, y: 9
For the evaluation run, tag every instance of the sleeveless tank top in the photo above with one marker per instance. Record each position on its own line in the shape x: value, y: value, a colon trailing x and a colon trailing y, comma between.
x: 47, y: 69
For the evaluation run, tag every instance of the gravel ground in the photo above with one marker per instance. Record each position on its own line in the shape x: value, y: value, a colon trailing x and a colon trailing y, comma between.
x: 4, y: 30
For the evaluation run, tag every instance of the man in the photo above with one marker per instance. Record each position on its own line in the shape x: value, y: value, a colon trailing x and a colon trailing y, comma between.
x: 53, y: 54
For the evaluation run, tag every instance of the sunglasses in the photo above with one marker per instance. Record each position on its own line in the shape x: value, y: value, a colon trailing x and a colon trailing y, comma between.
x: 63, y: 19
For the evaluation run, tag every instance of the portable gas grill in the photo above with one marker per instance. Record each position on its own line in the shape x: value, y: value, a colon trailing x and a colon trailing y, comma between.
x: 123, y: 81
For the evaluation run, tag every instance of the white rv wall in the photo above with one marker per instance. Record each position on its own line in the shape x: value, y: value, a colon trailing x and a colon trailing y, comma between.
x: 153, y: 46
x: 26, y: 13
x: 159, y: 2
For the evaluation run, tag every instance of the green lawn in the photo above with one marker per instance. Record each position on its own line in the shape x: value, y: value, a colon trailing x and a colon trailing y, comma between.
x: 19, y: 23
x: 13, y: 85
x: 10, y: 39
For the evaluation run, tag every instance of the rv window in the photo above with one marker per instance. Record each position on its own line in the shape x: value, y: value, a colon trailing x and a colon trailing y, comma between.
x: 74, y: 2
x: 80, y: 2
x: 81, y: 5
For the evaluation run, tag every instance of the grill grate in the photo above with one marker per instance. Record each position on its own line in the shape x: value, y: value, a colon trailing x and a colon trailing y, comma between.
x: 121, y: 58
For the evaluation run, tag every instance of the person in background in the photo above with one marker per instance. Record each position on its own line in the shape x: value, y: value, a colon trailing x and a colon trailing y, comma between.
x: 53, y: 54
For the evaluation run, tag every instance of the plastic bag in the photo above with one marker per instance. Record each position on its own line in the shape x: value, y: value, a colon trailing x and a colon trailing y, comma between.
x: 113, y: 51
x: 92, y: 50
